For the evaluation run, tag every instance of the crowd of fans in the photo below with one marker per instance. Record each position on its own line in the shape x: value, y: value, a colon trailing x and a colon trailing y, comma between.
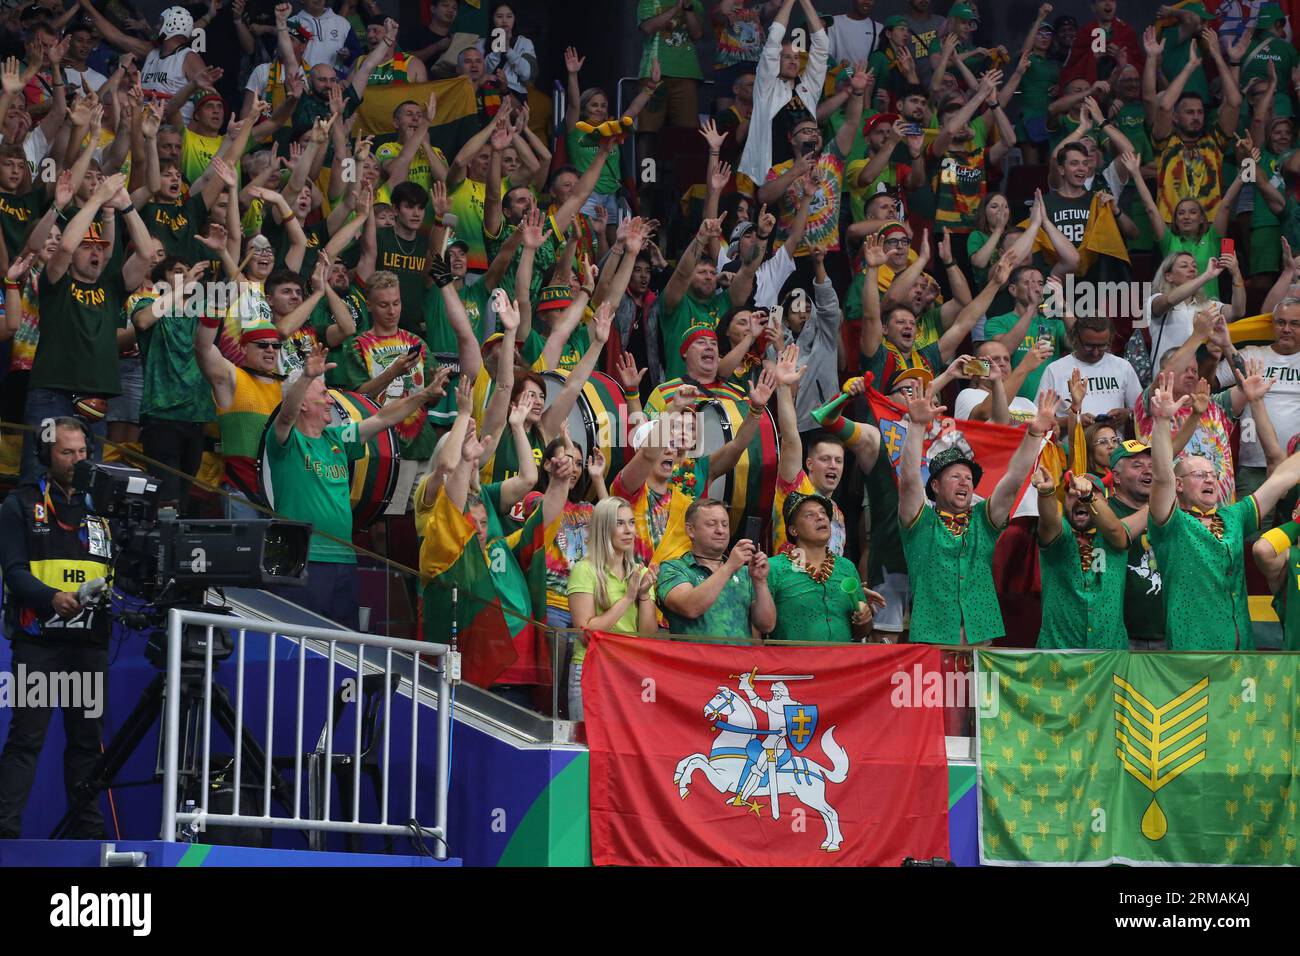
x: 909, y: 206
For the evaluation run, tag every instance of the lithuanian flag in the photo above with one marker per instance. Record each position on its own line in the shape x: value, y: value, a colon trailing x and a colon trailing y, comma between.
x: 455, y: 122
x: 451, y: 557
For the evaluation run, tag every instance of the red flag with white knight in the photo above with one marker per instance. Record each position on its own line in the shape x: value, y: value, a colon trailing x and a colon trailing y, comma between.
x: 685, y: 739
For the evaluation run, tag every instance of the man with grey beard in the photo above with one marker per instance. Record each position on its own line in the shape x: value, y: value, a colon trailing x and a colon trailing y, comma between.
x: 1144, y: 603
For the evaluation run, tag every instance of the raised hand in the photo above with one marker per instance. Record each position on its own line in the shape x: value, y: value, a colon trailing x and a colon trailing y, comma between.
x: 1046, y: 417
x: 761, y: 391
x: 721, y: 176
x: 215, y: 239
x: 920, y: 408
x: 1162, y: 403
x: 573, y: 62
x: 628, y: 375
x: 1201, y: 397
x: 63, y: 191
x: 519, y: 412
x: 873, y: 250
x: 1254, y: 385
x: 709, y: 130
x: 316, y: 364
x: 20, y: 268
x: 1043, y: 481
x: 1078, y: 389
x: 437, y: 388
x: 602, y: 324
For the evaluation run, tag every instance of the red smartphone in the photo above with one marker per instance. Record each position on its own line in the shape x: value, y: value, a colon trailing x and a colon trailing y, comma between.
x: 1227, y: 247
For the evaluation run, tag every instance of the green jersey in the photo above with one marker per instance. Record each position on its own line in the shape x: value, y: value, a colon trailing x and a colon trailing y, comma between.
x: 953, y: 593
x: 1206, y: 606
x: 311, y: 482
x: 1082, y: 608
x: 77, y: 351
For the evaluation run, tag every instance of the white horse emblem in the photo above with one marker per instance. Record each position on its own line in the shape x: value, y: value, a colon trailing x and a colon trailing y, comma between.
x: 748, y: 760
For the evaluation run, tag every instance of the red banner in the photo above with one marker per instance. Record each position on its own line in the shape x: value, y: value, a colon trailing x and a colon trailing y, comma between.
x: 991, y: 445
x: 683, y: 736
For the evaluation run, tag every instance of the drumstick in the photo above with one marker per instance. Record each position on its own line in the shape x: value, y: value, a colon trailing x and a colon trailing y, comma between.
x: 449, y: 220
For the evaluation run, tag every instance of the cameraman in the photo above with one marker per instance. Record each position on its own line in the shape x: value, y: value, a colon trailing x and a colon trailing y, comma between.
x: 49, y: 546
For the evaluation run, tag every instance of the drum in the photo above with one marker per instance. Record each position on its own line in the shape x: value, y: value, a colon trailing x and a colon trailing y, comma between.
x: 374, y: 475
x: 750, y: 487
x: 598, y: 419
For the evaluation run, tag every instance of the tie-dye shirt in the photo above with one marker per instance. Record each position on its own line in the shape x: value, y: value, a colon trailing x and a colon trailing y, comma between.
x: 1212, y: 439
x: 740, y: 40
x: 823, y: 229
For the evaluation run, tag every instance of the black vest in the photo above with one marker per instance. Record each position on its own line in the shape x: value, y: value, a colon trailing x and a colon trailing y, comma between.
x: 65, y: 549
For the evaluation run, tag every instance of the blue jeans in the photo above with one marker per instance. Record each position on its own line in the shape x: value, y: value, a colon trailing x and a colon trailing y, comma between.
x: 44, y: 404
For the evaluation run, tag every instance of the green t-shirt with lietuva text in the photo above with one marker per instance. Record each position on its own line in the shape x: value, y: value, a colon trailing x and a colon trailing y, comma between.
x: 311, y: 482
x: 1039, y: 326
x: 79, y: 322
x: 19, y: 213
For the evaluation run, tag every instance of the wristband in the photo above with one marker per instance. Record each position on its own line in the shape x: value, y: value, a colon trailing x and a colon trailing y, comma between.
x: 1282, y: 537
x: 755, y: 408
x: 1046, y: 494
x: 128, y: 209
x: 1034, y: 434
x: 629, y: 394
x: 11, y: 284
x: 209, y: 321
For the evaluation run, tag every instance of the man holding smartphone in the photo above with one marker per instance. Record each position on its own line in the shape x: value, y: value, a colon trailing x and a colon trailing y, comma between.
x: 388, y: 363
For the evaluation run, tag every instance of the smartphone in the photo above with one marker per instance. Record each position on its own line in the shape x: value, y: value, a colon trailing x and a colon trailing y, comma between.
x: 414, y: 349
x: 753, y: 529
x: 1101, y: 419
x: 912, y: 129
x: 1227, y: 247
x: 977, y: 367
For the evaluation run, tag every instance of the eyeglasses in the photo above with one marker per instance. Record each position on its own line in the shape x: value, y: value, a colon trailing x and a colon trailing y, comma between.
x: 1098, y: 347
x: 1108, y: 442
x: 1198, y: 475
x: 896, y: 243
x: 268, y: 345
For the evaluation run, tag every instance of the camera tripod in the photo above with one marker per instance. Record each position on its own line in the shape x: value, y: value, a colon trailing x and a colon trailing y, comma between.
x: 148, y: 711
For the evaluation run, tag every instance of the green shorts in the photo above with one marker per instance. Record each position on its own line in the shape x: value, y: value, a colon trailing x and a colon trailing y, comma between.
x: 1265, y: 248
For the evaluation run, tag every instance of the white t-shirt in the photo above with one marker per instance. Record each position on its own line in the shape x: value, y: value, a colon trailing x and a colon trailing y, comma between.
x: 94, y: 79
x: 260, y: 79
x: 1282, y: 400
x: 1172, y: 329
x: 1112, y: 382
x: 853, y: 40
x: 771, y: 276
x: 329, y: 35
x: 969, y: 399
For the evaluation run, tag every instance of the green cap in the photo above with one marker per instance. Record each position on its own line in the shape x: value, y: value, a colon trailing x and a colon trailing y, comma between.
x: 1269, y: 15
x: 1127, y: 449
x: 1196, y: 8
x: 963, y: 11
x: 897, y: 20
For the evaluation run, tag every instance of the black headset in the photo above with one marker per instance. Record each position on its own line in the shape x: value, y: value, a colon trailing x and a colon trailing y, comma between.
x: 43, y: 447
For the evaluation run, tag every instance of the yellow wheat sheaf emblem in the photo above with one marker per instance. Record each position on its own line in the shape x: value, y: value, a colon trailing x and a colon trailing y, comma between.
x: 1157, y: 744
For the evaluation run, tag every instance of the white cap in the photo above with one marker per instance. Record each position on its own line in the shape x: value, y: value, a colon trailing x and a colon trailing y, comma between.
x: 641, y: 433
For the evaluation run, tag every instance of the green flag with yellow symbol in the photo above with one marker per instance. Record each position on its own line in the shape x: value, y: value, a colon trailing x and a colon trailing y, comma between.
x: 1112, y: 757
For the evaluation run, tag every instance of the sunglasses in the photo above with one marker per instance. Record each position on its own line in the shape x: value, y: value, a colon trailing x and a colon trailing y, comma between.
x: 268, y: 345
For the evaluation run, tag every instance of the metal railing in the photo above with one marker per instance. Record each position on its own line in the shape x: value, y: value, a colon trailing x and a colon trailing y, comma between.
x: 197, y: 688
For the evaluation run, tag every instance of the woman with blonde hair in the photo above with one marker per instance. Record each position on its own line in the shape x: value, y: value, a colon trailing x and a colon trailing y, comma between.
x: 1179, y: 292
x: 608, y: 590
